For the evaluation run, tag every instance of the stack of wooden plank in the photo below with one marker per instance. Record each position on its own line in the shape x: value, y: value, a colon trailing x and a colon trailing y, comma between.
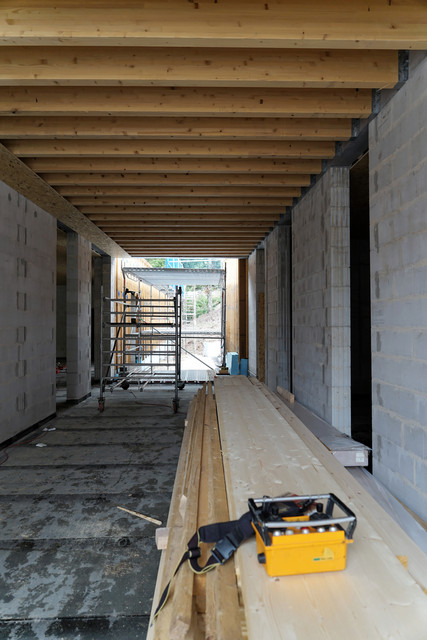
x: 205, y: 606
x: 266, y: 450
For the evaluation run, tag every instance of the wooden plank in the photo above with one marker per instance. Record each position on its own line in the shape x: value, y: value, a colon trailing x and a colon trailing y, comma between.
x: 194, y: 102
x: 109, y: 66
x: 375, y: 597
x: 162, y: 179
x: 387, y: 528
x: 222, y: 610
x: 158, y: 629
x: 182, y: 610
x: 175, y: 128
x: 174, y: 165
x: 306, y: 24
x: 287, y: 395
x: 18, y: 176
x: 180, y: 511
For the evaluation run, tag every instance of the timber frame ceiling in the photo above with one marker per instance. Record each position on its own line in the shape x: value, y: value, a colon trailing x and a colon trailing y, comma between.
x: 176, y: 127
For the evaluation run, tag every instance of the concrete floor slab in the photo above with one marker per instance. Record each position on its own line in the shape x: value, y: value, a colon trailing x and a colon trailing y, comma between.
x: 84, y: 454
x: 102, y: 435
x: 66, y: 579
x: 78, y: 517
x: 95, y: 628
x: 72, y: 565
x: 86, y: 480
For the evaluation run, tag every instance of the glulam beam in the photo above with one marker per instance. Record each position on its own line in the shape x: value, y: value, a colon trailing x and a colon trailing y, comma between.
x: 177, y: 149
x: 203, y: 67
x: 170, y: 201
x: 180, y: 191
x: 169, y: 128
x: 348, y: 24
x: 127, y: 180
x: 185, y: 101
x: 175, y: 165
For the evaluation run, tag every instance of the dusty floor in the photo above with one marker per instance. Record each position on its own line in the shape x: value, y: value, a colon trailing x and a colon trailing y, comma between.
x: 72, y: 565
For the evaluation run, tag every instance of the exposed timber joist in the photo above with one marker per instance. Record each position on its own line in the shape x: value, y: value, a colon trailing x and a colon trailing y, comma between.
x: 161, y: 180
x: 204, y: 210
x: 173, y: 201
x: 175, y: 128
x: 185, y: 101
x: 185, y: 237
x: 306, y: 24
x: 181, y: 191
x: 124, y: 220
x: 109, y: 66
x: 177, y: 149
x: 190, y: 229
x: 175, y: 165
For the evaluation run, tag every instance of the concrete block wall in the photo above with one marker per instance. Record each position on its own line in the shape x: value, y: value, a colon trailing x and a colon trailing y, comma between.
x: 398, y: 222
x: 321, y: 299
x: 79, y: 284
x: 278, y: 308
x: 27, y: 313
x: 256, y: 285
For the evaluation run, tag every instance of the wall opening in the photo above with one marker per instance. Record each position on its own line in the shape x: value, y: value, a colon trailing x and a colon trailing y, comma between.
x: 361, y: 393
x: 61, y: 318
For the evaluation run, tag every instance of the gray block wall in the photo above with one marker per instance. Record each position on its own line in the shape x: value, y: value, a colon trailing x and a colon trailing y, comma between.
x: 27, y: 313
x: 256, y: 285
x: 321, y: 299
x: 278, y: 308
x: 79, y: 284
x: 398, y: 210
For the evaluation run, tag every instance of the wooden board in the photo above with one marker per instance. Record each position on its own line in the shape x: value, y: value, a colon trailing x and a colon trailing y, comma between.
x: 375, y: 597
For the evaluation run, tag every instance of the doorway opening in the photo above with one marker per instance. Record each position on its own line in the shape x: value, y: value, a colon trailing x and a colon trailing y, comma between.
x: 361, y: 377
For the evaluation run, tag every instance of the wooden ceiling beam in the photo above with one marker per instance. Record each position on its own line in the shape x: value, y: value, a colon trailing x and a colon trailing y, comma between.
x: 306, y: 24
x: 154, y: 228
x: 194, y: 102
x: 175, y: 218
x: 177, y: 149
x: 188, y: 252
x: 190, y: 219
x: 18, y: 176
x: 205, y: 210
x: 189, y: 67
x: 180, y: 191
x: 175, y: 165
x: 167, y: 202
x: 118, y: 236
x: 192, y: 244
x: 175, y: 128
x: 175, y: 180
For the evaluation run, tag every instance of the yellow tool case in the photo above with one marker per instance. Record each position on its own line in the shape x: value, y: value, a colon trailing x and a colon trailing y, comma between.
x: 313, y: 542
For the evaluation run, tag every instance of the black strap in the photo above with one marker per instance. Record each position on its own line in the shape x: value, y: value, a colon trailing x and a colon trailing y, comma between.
x: 227, y: 535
